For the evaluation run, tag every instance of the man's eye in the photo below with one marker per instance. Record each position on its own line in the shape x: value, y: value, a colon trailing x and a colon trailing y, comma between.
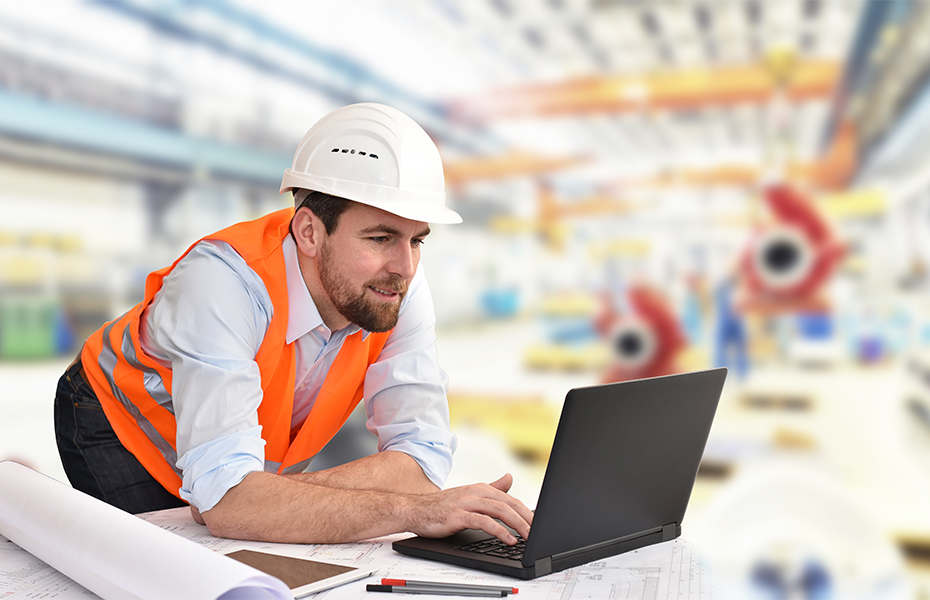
x: 417, y: 243
x: 379, y: 238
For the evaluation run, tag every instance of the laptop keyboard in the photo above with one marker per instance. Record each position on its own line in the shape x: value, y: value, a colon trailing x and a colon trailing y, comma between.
x: 495, y: 547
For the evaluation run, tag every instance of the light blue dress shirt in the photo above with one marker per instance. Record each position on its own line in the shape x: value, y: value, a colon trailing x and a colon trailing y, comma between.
x: 207, y: 323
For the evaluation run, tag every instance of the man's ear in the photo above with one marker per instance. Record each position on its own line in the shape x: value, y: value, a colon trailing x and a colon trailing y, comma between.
x: 308, y: 231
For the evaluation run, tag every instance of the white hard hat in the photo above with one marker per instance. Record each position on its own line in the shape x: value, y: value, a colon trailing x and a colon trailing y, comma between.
x: 376, y: 155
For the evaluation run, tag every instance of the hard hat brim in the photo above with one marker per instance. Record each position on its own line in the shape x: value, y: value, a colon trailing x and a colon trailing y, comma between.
x: 416, y: 205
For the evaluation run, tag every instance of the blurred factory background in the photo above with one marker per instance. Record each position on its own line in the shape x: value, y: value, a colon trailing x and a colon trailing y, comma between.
x: 648, y: 187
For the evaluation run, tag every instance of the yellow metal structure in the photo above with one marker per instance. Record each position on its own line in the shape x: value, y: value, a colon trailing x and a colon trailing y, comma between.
x: 527, y: 424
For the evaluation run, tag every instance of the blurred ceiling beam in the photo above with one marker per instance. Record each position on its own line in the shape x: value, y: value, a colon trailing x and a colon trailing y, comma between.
x: 512, y: 164
x: 876, y: 34
x: 251, y: 39
x: 84, y: 162
x: 550, y: 221
x: 235, y: 34
x: 551, y: 209
x: 837, y: 166
x: 832, y: 171
x: 673, y: 90
x: 720, y: 175
x: 886, y: 93
x: 129, y: 140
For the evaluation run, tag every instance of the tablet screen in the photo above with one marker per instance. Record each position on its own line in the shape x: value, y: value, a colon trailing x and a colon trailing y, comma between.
x: 298, y: 573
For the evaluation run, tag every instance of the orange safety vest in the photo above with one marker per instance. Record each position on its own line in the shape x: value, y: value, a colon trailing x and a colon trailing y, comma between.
x: 135, y: 390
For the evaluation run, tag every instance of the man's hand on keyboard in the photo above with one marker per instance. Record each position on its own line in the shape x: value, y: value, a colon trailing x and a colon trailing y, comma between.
x: 473, y: 506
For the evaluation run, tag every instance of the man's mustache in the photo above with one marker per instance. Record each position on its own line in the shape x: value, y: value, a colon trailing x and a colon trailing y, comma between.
x: 393, y: 284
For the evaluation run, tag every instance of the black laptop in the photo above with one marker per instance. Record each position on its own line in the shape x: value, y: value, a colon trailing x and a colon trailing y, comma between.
x: 619, y: 477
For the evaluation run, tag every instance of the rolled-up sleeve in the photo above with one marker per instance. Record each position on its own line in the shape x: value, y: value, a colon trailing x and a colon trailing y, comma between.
x: 207, y: 322
x: 406, y: 390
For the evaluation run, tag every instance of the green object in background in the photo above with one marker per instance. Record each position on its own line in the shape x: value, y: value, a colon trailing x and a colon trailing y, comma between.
x: 28, y: 327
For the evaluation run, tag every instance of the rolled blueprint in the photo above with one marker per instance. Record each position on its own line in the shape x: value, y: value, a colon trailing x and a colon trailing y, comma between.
x: 111, y: 552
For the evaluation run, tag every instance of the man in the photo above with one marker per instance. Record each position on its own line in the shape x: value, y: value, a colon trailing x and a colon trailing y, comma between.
x: 250, y: 351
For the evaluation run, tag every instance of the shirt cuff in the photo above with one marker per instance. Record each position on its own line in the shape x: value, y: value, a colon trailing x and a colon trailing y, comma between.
x: 434, y: 459
x: 212, y: 469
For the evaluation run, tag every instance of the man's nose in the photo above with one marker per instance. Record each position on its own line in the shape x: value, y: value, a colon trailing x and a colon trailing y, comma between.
x: 404, y: 260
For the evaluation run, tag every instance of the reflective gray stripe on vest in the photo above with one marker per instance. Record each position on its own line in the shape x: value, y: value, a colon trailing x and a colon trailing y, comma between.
x: 295, y: 468
x: 152, y: 381
x: 108, y: 361
x: 272, y: 466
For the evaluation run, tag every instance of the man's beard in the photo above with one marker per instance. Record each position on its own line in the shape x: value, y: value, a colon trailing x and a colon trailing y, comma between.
x: 356, y: 306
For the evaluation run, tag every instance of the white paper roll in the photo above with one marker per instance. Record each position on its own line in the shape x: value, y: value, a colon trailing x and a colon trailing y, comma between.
x: 111, y: 552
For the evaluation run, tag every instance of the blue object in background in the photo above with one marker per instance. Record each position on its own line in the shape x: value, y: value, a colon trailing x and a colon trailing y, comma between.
x: 730, y: 339
x: 500, y: 303
x: 870, y: 343
x: 65, y: 338
x: 815, y: 326
x: 898, y: 331
x: 871, y: 349
x: 569, y: 330
x: 775, y: 582
x: 691, y: 319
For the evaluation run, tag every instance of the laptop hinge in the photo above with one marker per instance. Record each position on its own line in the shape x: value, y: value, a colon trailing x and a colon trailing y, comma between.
x: 543, y: 566
x: 607, y: 544
x: 579, y: 556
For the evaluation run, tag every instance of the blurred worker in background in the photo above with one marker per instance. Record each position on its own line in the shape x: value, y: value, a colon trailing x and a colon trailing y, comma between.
x: 731, y: 340
x: 248, y: 354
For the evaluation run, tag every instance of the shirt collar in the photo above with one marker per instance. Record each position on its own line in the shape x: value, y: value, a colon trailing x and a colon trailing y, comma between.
x: 303, y: 315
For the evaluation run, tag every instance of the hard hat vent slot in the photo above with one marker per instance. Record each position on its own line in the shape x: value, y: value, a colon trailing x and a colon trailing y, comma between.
x: 352, y: 151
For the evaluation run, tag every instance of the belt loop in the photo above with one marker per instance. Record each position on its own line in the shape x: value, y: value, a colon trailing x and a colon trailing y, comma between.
x: 79, y: 372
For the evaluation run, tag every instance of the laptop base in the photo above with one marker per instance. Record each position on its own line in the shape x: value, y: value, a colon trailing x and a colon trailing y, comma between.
x: 448, y: 548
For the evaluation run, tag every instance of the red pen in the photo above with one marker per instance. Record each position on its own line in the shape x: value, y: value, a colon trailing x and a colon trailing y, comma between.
x: 435, y: 591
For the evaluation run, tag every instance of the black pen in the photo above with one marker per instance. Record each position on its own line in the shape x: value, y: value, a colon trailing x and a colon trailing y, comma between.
x: 441, y: 591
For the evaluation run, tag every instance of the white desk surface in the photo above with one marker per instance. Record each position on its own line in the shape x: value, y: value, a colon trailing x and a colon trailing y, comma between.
x: 663, y: 571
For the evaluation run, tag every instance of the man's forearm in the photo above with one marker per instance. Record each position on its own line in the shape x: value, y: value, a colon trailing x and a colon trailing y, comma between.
x: 268, y: 507
x: 387, y: 471
x: 350, y: 502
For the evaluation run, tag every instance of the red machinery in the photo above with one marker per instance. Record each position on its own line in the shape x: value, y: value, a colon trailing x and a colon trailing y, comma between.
x: 646, y: 340
x: 787, y: 262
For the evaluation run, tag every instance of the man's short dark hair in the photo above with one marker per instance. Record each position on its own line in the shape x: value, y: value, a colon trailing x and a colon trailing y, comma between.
x: 327, y: 208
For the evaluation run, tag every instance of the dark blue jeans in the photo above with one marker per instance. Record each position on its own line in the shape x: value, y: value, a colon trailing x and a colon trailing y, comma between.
x: 94, y: 459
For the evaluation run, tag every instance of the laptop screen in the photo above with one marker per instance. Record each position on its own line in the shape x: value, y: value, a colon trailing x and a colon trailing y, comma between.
x: 624, y: 460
